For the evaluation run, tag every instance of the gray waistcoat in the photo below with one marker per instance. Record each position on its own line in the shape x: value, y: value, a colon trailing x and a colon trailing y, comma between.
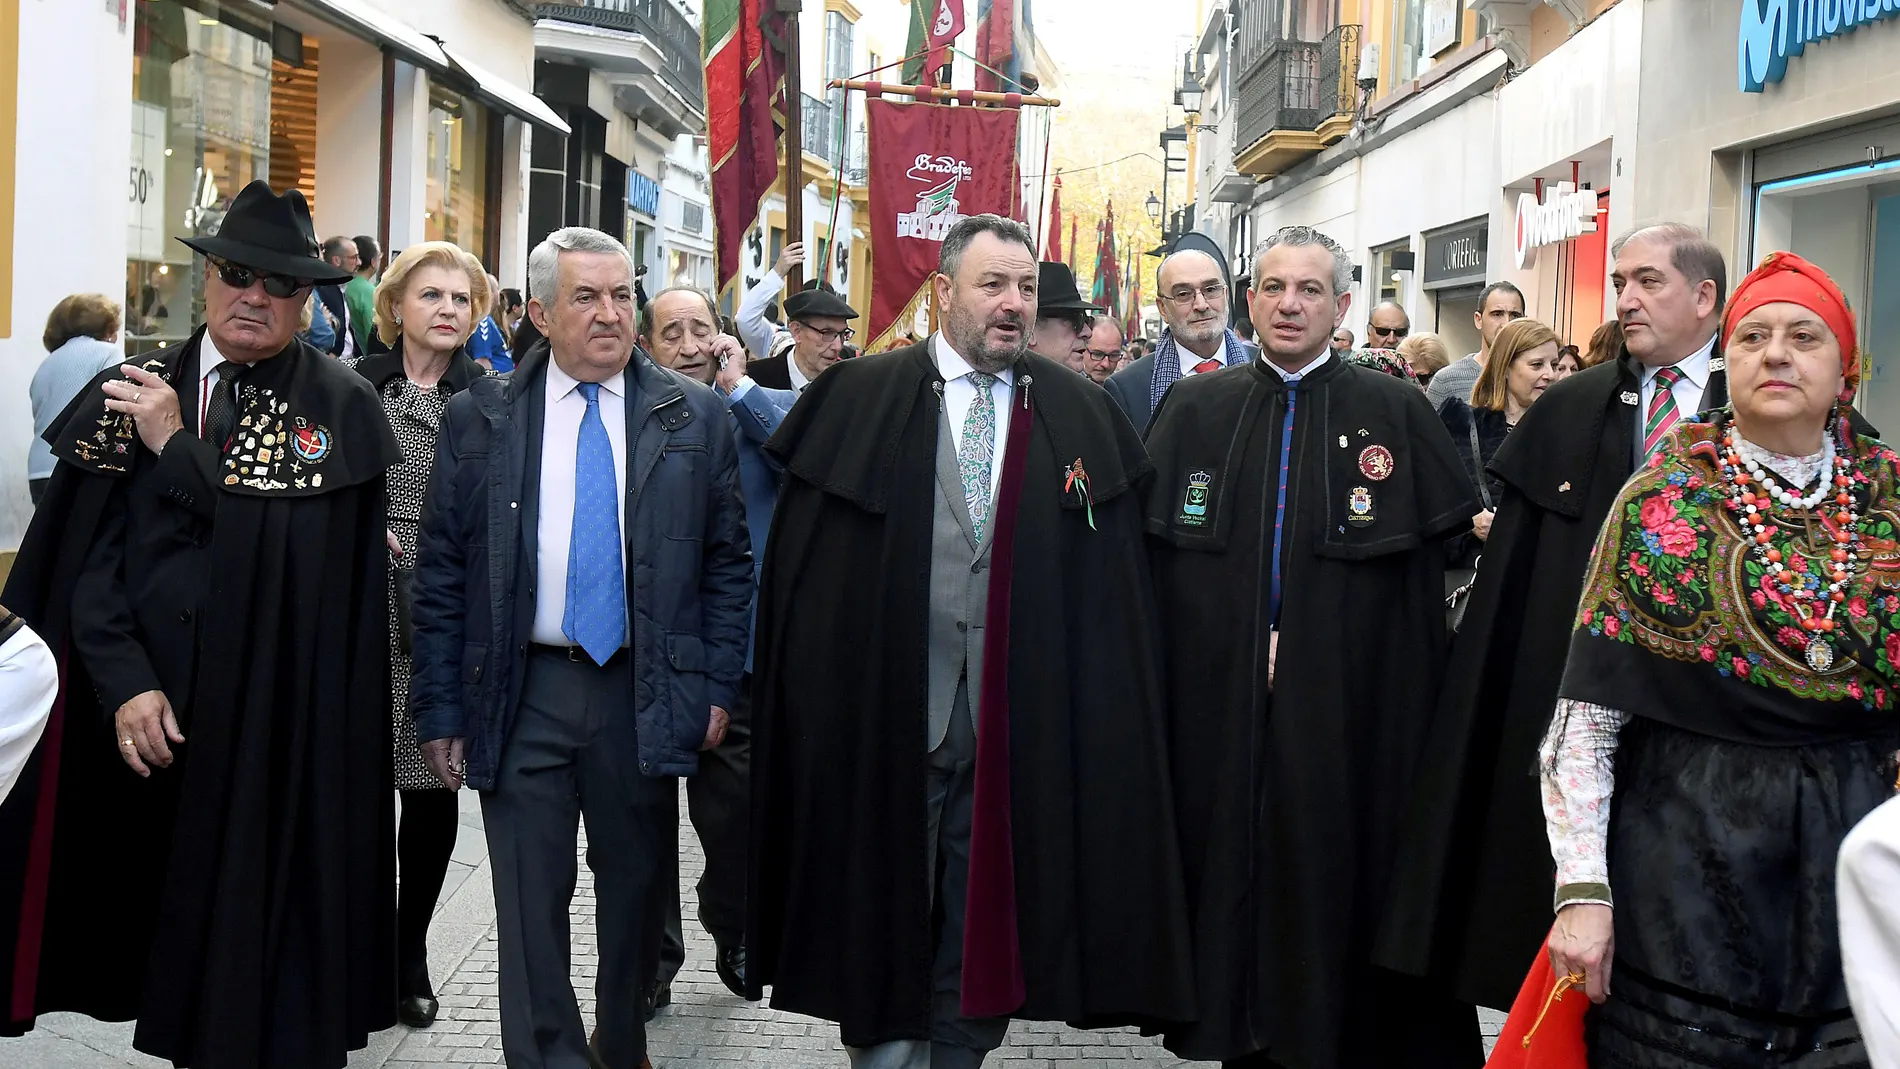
x: 959, y: 592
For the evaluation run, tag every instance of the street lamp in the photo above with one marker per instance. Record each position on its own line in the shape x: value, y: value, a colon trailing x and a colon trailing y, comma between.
x: 1190, y: 93
x: 1154, y: 207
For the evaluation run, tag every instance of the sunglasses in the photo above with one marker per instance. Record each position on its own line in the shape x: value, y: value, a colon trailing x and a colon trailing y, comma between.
x: 1390, y: 332
x: 240, y: 278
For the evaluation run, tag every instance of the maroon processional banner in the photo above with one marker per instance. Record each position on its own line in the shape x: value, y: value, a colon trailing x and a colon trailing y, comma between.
x: 931, y: 165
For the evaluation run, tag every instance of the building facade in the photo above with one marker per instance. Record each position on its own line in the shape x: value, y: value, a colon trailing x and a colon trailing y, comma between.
x: 406, y: 120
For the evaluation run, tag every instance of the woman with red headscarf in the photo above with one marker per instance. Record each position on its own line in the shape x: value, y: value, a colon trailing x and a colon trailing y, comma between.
x: 1731, y: 707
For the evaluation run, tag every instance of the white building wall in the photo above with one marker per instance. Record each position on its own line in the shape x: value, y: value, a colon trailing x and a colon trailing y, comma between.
x: 349, y: 142
x: 70, y: 211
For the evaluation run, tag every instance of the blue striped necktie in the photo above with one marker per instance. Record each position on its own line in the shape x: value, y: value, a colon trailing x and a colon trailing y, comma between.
x: 596, y: 616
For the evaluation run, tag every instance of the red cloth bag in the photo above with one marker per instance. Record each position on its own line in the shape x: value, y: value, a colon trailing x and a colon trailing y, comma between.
x: 1545, y: 1028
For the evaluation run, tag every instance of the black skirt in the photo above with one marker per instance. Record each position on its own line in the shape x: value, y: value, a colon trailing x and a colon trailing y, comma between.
x: 1722, y: 856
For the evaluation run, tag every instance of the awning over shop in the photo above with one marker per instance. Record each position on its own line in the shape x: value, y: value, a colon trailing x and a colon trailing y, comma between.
x: 372, y: 24
x: 505, y: 94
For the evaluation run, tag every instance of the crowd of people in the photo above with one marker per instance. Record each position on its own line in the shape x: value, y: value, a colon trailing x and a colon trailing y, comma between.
x: 1593, y: 655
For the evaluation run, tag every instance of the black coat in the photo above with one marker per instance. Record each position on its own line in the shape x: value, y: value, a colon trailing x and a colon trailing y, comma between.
x: 1290, y: 798
x: 772, y: 372
x: 1476, y: 873
x: 1132, y: 387
x: 1460, y: 421
x: 839, y: 897
x: 249, y: 589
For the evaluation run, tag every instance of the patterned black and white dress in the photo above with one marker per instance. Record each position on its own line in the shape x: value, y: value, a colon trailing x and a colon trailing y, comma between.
x: 416, y: 416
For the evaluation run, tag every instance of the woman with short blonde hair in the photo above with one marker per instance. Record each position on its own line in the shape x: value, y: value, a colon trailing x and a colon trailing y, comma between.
x: 395, y: 284
x: 1427, y: 354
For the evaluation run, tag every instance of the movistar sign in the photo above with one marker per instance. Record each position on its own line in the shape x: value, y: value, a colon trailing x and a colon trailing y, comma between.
x: 1773, y: 31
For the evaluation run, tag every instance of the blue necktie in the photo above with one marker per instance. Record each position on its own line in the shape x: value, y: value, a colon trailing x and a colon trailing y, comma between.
x: 1279, y: 509
x: 596, y: 616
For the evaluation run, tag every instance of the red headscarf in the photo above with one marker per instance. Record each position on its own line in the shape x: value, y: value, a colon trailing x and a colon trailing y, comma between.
x: 1783, y: 276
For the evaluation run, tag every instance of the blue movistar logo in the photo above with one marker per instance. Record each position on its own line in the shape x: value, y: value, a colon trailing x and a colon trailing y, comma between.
x: 1774, y: 30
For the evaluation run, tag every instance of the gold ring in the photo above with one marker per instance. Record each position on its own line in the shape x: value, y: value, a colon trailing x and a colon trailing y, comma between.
x: 136, y: 394
x: 125, y: 742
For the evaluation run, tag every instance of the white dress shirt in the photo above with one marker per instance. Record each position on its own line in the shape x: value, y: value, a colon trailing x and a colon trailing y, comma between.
x: 959, y: 393
x: 796, y: 373
x: 208, y: 360
x: 1191, y: 359
x: 757, y: 332
x: 1870, y: 929
x: 560, y: 439
x: 1688, y: 389
x: 1324, y: 355
x: 29, y: 681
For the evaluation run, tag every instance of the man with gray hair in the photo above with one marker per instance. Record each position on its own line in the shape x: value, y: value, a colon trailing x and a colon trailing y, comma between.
x: 582, y: 594
x: 1302, y: 500
x: 1192, y: 288
x: 960, y: 805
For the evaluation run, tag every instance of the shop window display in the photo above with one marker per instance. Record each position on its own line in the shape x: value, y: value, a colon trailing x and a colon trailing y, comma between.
x: 456, y: 194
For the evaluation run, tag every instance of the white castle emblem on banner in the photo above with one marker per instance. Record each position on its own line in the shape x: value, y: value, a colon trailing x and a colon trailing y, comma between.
x: 937, y: 206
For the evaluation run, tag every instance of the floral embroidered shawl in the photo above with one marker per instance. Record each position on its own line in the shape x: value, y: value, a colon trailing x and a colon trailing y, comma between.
x: 1679, y: 621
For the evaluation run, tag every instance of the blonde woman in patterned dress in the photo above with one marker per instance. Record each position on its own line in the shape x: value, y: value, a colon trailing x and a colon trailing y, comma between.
x: 425, y: 307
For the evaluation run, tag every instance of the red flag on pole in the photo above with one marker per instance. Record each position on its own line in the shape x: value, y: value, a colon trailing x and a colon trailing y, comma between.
x: 946, y: 24
x: 931, y: 165
x: 1055, y: 223
x: 1072, y: 221
x: 745, y: 83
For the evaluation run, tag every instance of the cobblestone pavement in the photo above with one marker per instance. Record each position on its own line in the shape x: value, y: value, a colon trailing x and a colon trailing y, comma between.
x: 705, y: 1027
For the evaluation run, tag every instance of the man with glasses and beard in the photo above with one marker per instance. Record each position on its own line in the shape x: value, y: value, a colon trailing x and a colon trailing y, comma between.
x: 819, y: 322
x: 960, y: 810
x: 1193, y: 284
x: 205, y: 838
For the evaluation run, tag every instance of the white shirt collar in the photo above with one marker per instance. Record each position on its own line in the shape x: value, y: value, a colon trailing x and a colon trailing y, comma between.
x: 952, y: 366
x: 1324, y: 355
x: 1694, y: 367
x: 794, y: 372
x: 208, y: 357
x: 560, y: 383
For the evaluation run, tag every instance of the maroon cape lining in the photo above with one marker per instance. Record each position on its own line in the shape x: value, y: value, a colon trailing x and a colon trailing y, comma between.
x: 992, y: 948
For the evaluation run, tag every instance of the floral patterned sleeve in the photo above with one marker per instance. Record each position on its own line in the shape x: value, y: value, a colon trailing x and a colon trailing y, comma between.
x: 1575, y: 761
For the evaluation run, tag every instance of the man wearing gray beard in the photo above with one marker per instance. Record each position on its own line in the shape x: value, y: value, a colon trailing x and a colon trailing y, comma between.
x: 949, y: 781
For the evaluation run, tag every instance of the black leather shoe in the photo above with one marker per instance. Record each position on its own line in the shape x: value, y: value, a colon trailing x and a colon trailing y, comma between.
x: 657, y: 999
x: 731, y: 969
x: 417, y: 1012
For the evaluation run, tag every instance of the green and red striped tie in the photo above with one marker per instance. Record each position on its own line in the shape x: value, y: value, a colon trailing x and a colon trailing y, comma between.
x: 1662, y: 410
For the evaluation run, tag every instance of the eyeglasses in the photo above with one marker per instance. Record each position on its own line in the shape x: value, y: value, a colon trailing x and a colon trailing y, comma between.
x: 240, y: 278
x: 1099, y: 355
x: 826, y: 337
x: 1395, y: 333
x: 1212, y: 293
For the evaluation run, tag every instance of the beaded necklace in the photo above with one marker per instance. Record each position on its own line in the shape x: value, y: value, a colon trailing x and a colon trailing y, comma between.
x: 1754, y: 493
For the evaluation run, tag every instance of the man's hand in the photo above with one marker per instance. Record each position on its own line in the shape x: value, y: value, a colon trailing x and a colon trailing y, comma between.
x: 143, y: 725
x: 716, y: 728
x: 389, y: 539
x: 791, y: 256
x: 730, y: 354
x: 1584, y: 941
x: 1273, y: 656
x: 152, y: 403
x: 445, y: 758
x: 1481, y: 524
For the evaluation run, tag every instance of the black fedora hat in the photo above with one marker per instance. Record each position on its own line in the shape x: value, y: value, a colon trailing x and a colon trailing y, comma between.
x: 267, y: 232
x: 1056, y: 292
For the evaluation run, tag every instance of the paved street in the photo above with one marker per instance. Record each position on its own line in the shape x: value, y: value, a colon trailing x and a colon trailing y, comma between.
x: 705, y: 1027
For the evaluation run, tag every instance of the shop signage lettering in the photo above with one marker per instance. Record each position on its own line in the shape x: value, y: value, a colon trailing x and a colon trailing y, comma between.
x: 1457, y: 255
x: 1774, y: 31
x: 1566, y: 213
x: 643, y: 194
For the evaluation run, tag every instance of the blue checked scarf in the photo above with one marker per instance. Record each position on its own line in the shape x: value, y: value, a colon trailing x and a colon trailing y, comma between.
x: 1168, y: 362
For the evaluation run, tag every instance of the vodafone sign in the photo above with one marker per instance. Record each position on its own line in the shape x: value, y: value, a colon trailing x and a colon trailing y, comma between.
x: 1566, y: 212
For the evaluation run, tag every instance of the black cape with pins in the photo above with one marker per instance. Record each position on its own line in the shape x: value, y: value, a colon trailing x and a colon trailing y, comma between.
x: 1476, y: 872
x: 1290, y: 798
x: 239, y: 904
x: 840, y: 914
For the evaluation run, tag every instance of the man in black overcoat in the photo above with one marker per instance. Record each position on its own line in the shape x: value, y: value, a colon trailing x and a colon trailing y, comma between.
x: 204, y: 839
x: 960, y: 794
x: 1475, y: 880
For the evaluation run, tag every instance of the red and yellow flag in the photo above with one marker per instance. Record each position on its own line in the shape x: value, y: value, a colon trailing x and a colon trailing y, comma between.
x: 742, y: 44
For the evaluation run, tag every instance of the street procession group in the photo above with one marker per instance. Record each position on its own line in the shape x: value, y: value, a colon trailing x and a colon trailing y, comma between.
x: 973, y: 666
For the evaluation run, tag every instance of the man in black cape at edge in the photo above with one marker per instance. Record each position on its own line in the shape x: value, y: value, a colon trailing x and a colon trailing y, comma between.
x: 1299, y: 512
x: 209, y: 564
x: 961, y: 810
x: 1476, y: 868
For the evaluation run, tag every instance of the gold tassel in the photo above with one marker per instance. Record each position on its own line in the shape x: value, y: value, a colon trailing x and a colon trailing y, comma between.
x: 1575, y: 979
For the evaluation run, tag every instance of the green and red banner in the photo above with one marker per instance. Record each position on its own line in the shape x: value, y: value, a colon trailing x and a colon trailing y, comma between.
x: 931, y: 165
x: 742, y: 44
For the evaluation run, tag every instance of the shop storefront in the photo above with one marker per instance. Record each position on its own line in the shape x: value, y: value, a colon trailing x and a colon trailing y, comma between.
x: 1453, y: 276
x: 1786, y: 149
x: 463, y: 158
x: 643, y: 218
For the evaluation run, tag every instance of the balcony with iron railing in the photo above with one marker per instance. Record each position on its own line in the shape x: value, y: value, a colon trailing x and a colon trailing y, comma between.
x: 818, y: 133
x: 673, y: 34
x: 1295, y: 99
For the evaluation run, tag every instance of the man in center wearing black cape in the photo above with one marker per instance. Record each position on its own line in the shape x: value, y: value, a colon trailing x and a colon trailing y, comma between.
x: 1299, y: 511
x: 961, y: 810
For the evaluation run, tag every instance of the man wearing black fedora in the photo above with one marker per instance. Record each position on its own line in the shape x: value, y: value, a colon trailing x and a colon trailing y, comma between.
x: 820, y: 324
x: 210, y: 556
x: 1063, y: 318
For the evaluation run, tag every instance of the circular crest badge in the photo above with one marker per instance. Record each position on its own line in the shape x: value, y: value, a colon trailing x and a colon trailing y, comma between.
x: 1375, y: 463
x: 312, y: 441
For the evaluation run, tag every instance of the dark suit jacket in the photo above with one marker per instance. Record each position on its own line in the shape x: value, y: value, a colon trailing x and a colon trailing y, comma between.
x: 332, y: 298
x: 755, y: 417
x: 689, y: 574
x: 771, y: 372
x: 1129, y: 387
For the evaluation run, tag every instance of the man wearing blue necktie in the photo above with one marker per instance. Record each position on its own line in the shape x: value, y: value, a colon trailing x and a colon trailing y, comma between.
x: 582, y: 601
